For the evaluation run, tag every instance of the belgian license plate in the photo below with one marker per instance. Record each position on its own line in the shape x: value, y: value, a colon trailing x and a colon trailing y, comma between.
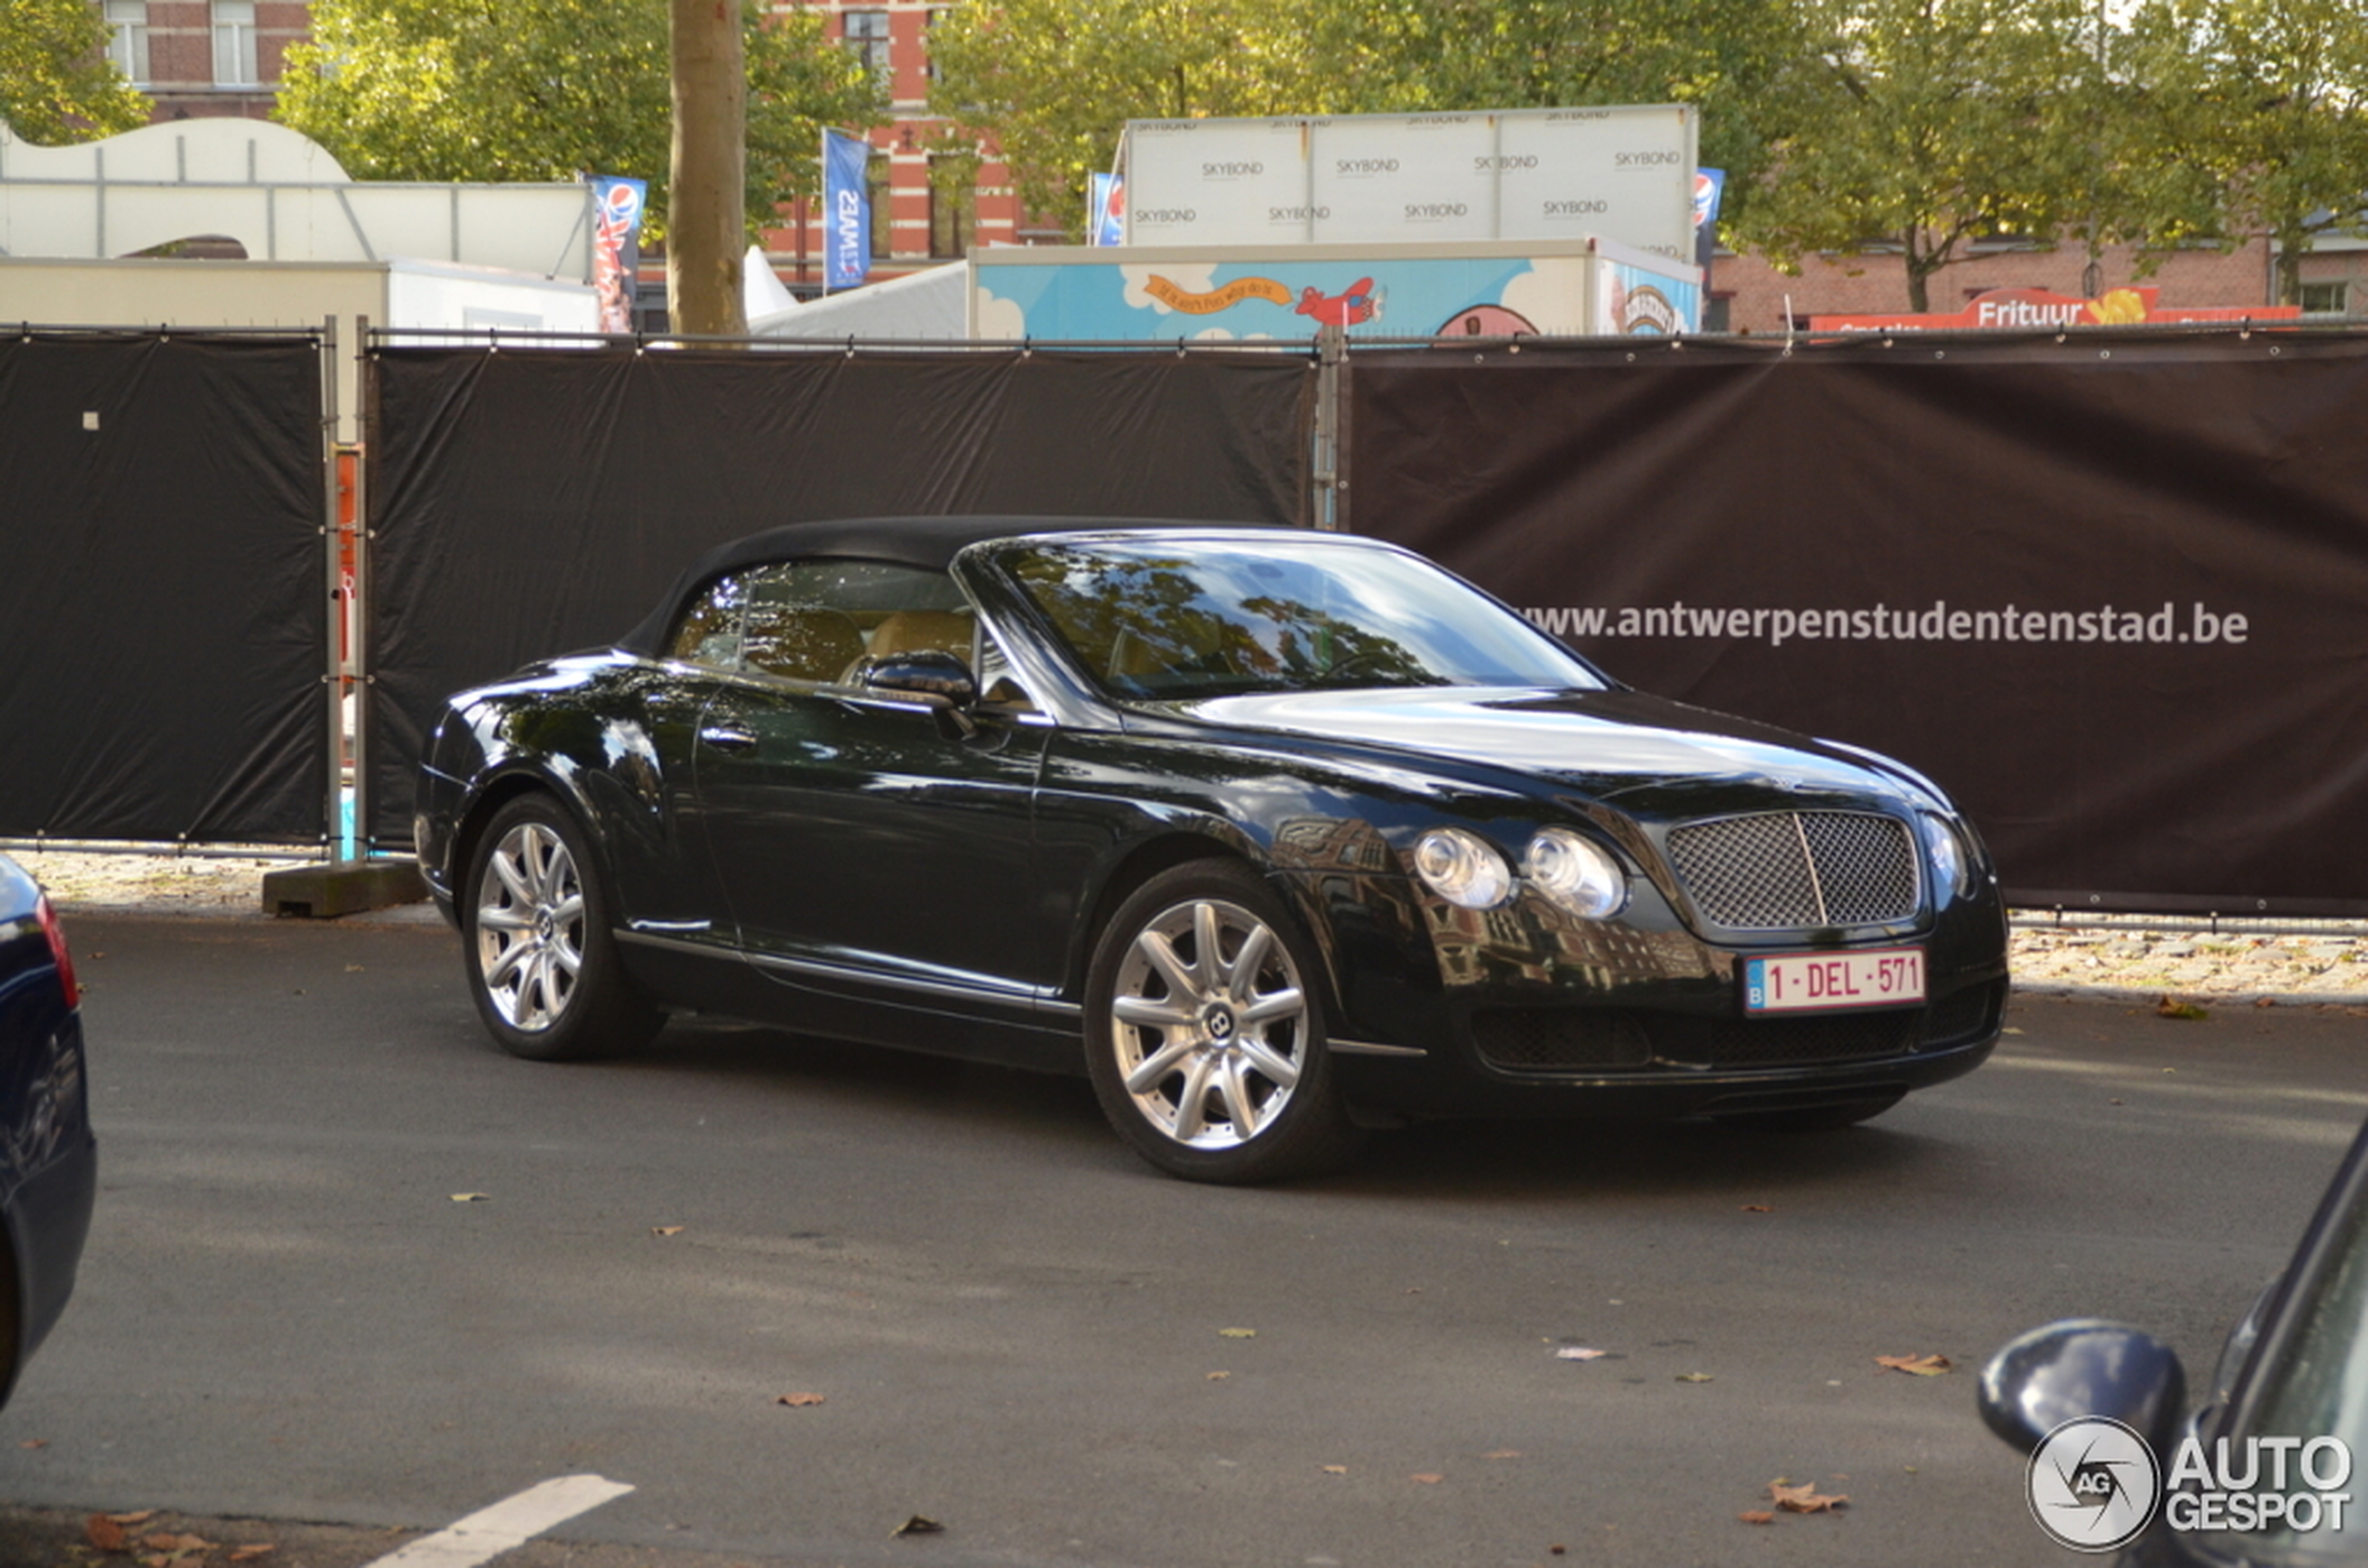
x: 1827, y: 981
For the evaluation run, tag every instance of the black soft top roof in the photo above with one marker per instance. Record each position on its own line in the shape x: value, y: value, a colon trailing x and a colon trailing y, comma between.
x: 930, y: 542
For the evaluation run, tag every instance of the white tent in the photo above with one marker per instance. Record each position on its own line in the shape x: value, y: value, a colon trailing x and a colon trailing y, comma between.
x: 919, y: 306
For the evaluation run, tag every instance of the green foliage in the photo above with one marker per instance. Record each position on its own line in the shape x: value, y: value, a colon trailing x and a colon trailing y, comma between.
x: 2257, y: 112
x: 56, y: 82
x: 544, y: 90
x: 1922, y: 125
x: 1054, y: 81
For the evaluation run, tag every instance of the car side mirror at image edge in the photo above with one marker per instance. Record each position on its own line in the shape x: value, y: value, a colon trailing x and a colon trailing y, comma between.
x: 2084, y: 1367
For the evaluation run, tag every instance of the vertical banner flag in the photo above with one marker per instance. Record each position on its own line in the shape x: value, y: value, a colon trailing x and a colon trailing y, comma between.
x: 616, y: 247
x: 1709, y: 186
x: 1106, y: 210
x: 847, y: 211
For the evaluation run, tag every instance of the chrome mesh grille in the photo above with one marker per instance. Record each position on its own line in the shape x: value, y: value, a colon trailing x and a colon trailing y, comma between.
x: 1780, y: 870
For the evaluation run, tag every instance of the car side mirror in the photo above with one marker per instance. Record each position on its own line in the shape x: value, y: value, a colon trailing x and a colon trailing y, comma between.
x: 923, y: 672
x: 2084, y: 1367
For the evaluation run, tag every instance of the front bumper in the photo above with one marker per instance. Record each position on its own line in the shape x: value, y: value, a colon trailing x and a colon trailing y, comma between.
x: 1526, y: 1011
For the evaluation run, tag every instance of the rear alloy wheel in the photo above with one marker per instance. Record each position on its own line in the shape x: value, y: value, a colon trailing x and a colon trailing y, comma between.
x: 543, y: 966
x: 1205, y: 1032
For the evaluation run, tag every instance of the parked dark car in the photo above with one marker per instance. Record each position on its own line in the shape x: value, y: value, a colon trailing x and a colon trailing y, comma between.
x: 48, y: 1159
x: 1276, y: 835
x: 2292, y: 1376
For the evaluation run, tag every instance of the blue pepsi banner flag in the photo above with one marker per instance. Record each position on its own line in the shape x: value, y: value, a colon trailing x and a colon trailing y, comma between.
x: 1104, y: 210
x: 1709, y: 186
x: 847, y: 211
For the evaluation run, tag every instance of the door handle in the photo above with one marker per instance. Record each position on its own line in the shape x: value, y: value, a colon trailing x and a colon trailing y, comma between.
x: 724, y: 739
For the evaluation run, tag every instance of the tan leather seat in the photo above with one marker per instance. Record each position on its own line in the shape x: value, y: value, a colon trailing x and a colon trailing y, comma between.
x: 801, y: 642
x: 911, y: 631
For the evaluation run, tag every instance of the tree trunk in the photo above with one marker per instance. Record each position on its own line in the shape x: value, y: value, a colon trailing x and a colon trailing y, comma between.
x: 708, y: 185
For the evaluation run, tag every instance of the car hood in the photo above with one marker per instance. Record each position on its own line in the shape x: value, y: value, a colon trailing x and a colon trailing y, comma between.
x: 1601, y: 744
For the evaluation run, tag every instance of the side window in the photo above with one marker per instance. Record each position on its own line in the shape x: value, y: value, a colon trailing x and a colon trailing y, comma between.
x: 818, y: 620
x: 710, y: 630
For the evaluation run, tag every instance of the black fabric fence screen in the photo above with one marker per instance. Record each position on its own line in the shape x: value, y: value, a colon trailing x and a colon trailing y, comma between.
x: 162, y: 587
x: 2108, y: 590
x: 525, y: 502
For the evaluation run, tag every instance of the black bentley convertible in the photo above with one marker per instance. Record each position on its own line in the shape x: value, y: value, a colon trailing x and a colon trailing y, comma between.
x: 1278, y: 836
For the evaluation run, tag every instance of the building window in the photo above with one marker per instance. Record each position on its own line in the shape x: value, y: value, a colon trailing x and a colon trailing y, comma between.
x: 930, y: 19
x: 2325, y: 299
x: 866, y: 34
x: 877, y: 185
x: 1718, y: 313
x: 953, y: 207
x: 234, y: 44
x: 128, y: 45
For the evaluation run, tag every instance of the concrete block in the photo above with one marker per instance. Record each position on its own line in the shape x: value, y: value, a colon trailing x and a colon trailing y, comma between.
x: 334, y: 887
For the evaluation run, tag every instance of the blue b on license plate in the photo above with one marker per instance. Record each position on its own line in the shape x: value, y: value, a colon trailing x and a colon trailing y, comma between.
x: 1826, y: 982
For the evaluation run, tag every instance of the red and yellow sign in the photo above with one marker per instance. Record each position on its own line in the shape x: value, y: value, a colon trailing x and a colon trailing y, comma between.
x: 2041, y: 310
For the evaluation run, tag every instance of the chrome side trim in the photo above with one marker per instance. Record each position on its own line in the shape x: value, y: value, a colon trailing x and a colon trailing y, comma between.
x: 849, y: 975
x: 1368, y: 1047
x: 642, y: 927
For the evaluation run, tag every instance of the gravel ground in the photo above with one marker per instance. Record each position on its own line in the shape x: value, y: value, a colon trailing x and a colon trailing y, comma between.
x: 2316, y: 963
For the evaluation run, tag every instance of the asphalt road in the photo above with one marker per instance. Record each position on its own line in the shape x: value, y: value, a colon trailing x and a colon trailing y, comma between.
x: 1019, y: 1332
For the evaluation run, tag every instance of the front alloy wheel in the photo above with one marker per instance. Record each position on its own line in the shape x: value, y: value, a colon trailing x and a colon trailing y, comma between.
x: 529, y: 924
x: 543, y: 967
x: 1208, y: 1047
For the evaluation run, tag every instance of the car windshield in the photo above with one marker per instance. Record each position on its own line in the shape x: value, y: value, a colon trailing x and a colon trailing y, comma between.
x: 1199, y: 617
x: 2318, y: 1389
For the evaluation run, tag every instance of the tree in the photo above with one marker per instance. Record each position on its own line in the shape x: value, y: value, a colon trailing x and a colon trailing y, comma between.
x: 709, y: 169
x: 56, y: 81
x: 1054, y: 81
x: 1920, y: 125
x: 544, y: 90
x: 2263, y: 105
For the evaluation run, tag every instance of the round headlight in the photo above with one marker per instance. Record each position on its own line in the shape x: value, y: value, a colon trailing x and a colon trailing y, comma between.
x: 1462, y: 868
x: 1952, y: 867
x: 1576, y: 873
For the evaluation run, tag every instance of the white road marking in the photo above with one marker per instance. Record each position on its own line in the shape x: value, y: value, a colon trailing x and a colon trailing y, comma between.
x: 512, y: 1521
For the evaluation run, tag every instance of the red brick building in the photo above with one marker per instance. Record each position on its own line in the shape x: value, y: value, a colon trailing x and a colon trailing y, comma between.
x: 200, y: 58
x: 928, y: 205
x: 1747, y: 295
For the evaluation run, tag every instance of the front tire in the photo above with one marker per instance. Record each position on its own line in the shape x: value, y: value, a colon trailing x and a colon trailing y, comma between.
x: 543, y: 968
x: 1204, y: 1032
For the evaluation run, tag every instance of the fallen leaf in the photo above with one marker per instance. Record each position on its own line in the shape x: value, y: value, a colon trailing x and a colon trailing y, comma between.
x: 1694, y: 1377
x: 917, y: 1525
x: 1804, y: 1499
x: 103, y: 1533
x: 354, y: 968
x: 1916, y: 1366
x: 2011, y: 1030
x: 2171, y: 1006
x: 1757, y: 1516
x: 1757, y: 1208
x: 161, y: 1542
x: 799, y: 1400
x: 34, y: 1443
x: 1335, y: 1469
x: 1426, y: 1478
x: 1576, y: 1353
x: 472, y: 1197
x: 1237, y: 1333
x: 142, y: 1517
x: 1502, y: 1454
x: 2264, y: 1001
x: 248, y: 1554
x: 665, y: 1230
x: 1218, y: 1376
